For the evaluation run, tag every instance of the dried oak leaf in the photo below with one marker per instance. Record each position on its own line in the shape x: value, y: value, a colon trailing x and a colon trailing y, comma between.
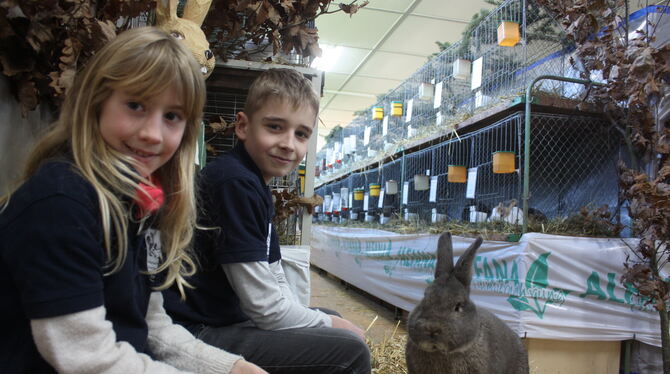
x: 662, y: 189
x: 107, y: 29
x: 273, y: 15
x: 28, y: 97
x: 352, y: 8
x: 63, y: 81
x: 310, y: 202
x: 643, y: 63
x: 38, y: 34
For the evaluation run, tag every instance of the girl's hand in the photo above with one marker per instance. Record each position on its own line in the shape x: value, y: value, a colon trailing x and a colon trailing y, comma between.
x: 246, y: 367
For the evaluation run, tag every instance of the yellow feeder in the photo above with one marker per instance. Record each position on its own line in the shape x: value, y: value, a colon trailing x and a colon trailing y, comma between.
x: 374, y: 189
x: 396, y: 108
x: 378, y: 112
x: 503, y: 162
x: 508, y: 34
x: 456, y: 174
x: 358, y: 194
x: 301, y: 175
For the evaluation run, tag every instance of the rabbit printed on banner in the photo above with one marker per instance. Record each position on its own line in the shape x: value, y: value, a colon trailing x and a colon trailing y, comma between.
x: 448, y: 334
x: 187, y: 28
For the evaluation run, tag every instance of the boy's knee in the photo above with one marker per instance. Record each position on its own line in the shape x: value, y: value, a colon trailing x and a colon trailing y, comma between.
x: 360, y: 356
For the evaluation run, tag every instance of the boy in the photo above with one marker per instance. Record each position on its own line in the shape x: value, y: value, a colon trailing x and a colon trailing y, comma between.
x: 241, y: 301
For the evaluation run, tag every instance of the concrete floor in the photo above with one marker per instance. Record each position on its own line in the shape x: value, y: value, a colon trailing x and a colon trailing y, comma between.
x: 354, y: 305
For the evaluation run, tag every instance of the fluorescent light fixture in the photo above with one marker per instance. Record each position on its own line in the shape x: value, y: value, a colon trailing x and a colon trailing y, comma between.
x: 331, y: 54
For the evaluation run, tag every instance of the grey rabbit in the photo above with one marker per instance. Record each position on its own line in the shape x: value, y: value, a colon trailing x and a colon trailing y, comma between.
x: 448, y: 334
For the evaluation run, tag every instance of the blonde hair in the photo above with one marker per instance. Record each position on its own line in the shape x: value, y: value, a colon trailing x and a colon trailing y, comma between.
x: 142, y: 62
x: 284, y: 84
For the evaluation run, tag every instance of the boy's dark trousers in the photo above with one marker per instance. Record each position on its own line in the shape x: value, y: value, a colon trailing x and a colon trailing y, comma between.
x: 313, y: 350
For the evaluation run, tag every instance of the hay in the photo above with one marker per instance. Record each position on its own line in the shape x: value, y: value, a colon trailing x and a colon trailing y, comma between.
x: 388, y: 357
x: 584, y: 224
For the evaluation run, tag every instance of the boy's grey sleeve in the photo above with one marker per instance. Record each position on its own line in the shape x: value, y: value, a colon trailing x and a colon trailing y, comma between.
x: 269, y: 304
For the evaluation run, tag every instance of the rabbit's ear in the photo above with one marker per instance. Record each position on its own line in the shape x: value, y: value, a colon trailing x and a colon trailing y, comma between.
x: 196, y: 10
x: 445, y: 255
x: 166, y: 11
x: 463, y: 269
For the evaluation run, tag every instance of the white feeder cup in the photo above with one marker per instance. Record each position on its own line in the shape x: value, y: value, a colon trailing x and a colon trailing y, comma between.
x: 391, y: 187
x: 421, y: 182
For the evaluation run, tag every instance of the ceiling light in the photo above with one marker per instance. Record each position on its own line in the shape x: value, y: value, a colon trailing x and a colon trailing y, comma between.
x: 329, y: 57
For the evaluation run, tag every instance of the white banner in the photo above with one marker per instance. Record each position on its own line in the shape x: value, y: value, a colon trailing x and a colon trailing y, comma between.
x: 544, y: 286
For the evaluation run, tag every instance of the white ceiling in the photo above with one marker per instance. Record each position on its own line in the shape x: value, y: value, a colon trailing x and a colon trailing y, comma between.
x: 382, y: 45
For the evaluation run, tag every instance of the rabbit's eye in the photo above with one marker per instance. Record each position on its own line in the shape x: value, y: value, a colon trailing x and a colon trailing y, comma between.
x: 208, y: 54
x: 177, y: 35
x: 458, y: 308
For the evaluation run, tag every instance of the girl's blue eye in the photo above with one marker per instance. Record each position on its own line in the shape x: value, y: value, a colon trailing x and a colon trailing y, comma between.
x: 171, y: 116
x: 274, y: 126
x: 134, y: 105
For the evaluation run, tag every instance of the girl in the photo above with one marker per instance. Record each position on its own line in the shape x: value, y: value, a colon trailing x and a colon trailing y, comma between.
x: 90, y: 237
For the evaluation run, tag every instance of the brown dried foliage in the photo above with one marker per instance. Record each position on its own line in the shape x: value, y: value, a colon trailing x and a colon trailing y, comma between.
x: 288, y: 202
x: 281, y: 24
x: 44, y: 42
x: 638, y: 76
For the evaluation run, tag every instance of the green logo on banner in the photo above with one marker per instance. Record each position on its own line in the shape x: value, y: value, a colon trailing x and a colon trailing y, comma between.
x: 537, y: 277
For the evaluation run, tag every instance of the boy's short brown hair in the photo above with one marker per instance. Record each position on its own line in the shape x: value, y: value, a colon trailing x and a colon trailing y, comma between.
x: 283, y: 84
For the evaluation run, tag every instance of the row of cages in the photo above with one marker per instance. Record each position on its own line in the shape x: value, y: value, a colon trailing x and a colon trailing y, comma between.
x: 478, y: 177
x: 484, y: 68
x: 471, y: 75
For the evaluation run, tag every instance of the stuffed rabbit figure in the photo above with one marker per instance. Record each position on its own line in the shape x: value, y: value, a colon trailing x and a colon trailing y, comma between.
x: 188, y: 28
x: 448, y: 334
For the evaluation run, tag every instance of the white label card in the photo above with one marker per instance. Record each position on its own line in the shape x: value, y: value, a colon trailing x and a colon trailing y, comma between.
x: 381, y: 199
x: 366, y: 201
x: 337, y: 202
x: 477, y: 68
x: 472, y: 183
x: 351, y: 198
x: 432, y: 198
x: 410, y: 104
x: 385, y: 125
x: 344, y: 192
x: 438, y: 95
x: 405, y: 192
x: 366, y: 136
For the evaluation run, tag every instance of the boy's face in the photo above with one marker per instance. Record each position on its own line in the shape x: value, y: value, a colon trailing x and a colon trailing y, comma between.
x: 276, y: 136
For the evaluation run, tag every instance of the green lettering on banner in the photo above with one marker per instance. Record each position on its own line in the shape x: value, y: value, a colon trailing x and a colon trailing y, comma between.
x: 630, y: 291
x: 515, y: 273
x: 610, y: 288
x: 478, y: 271
x: 593, y: 287
x: 501, y: 270
x: 488, y: 274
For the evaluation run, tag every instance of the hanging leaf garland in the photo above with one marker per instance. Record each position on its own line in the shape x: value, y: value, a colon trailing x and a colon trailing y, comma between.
x: 44, y: 42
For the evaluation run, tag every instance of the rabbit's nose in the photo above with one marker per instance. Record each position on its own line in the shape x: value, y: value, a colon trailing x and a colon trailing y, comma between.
x: 209, y: 54
x: 434, y: 332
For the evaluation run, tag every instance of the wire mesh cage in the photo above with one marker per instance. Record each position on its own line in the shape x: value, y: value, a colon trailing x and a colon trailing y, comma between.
x: 572, y: 165
x: 469, y: 76
x: 391, y: 181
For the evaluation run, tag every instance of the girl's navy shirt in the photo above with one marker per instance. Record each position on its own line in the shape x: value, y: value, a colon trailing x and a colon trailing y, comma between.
x: 52, y: 263
x: 237, y: 203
